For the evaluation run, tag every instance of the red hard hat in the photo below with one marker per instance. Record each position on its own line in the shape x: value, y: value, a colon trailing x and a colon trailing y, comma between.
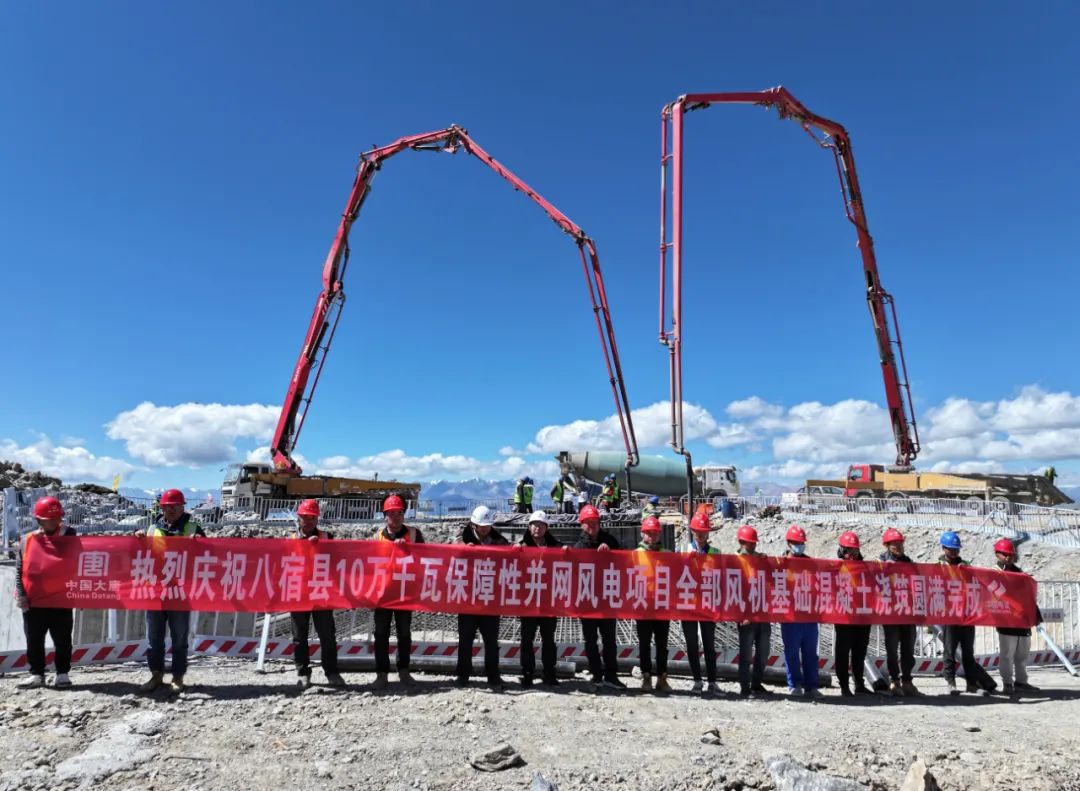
x: 651, y: 525
x: 747, y: 534
x: 393, y: 503
x: 588, y: 513
x: 1003, y: 545
x: 308, y: 508
x: 796, y: 535
x: 700, y: 522
x: 849, y: 540
x: 891, y: 535
x: 48, y: 508
x: 172, y: 497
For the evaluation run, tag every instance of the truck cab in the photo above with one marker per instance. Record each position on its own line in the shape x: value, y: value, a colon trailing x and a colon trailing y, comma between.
x: 237, y: 483
x: 859, y: 478
x: 720, y: 481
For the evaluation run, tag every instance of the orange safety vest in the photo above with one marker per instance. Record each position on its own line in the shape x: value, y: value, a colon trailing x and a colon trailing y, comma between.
x: 410, y: 535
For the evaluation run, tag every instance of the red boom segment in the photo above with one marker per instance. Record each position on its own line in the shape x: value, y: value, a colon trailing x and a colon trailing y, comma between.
x: 328, y: 305
x: 835, y: 138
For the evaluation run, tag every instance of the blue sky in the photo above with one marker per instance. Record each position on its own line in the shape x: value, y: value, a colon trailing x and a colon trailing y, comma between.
x: 173, y: 175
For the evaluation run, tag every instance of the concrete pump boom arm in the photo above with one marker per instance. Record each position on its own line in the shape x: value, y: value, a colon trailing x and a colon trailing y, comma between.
x: 834, y: 137
x: 328, y: 306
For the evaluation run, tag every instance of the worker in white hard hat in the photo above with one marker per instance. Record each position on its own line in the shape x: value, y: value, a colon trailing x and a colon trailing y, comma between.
x: 538, y: 536
x: 480, y: 531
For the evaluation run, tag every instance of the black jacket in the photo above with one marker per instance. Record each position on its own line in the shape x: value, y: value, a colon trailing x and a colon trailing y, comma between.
x: 1038, y: 613
x: 418, y: 537
x: 603, y: 537
x: 887, y: 557
x: 549, y: 540
x: 858, y: 555
x: 468, y: 536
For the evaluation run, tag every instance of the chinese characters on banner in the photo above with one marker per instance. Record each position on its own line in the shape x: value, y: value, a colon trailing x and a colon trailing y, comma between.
x: 277, y: 575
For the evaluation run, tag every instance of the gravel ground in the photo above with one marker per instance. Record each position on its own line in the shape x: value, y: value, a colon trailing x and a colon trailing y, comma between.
x: 237, y: 729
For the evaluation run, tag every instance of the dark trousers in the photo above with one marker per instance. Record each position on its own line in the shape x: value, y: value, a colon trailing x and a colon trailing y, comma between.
x: 708, y: 641
x: 468, y: 626
x: 964, y: 638
x: 568, y: 507
x: 522, y: 508
x: 647, y: 633
x: 851, y: 643
x: 56, y: 621
x: 900, y: 651
x: 178, y: 622
x: 547, y: 646
x: 753, y: 641
x: 324, y: 628
x: 591, y: 628
x: 402, y: 620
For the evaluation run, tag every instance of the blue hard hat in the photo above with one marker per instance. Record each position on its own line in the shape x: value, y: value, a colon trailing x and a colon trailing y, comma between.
x: 950, y: 540
x: 528, y: 479
x: 654, y: 499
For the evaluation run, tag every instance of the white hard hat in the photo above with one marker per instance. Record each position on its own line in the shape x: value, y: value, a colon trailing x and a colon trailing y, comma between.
x: 481, y: 516
x: 538, y: 516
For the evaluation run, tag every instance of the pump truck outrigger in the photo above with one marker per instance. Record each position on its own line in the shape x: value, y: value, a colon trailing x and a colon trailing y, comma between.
x: 328, y: 306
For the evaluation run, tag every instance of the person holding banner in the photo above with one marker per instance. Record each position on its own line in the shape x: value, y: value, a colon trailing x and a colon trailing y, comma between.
x: 398, y: 532
x: 58, y: 622
x: 1014, y: 644
x: 307, y: 513
x: 699, y: 544
x: 649, y: 631
x: 800, y: 639
x: 899, y: 638
x: 955, y: 635
x: 480, y: 531
x: 753, y: 637
x: 605, y: 670
x: 852, y: 640
x: 538, y: 536
x: 173, y: 522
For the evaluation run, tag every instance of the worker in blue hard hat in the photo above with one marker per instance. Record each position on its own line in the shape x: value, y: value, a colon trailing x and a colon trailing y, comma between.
x: 652, y: 508
x: 956, y: 635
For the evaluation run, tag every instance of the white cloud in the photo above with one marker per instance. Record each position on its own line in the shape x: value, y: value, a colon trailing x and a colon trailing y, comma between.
x: 69, y: 464
x: 967, y: 466
x: 1036, y: 409
x: 191, y: 434
x: 753, y: 407
x: 793, y: 469
x: 397, y: 464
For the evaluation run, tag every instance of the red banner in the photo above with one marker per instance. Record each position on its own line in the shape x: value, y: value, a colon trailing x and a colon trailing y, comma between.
x: 279, y: 575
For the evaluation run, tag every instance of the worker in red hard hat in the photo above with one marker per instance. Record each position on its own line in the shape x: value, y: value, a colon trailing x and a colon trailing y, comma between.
x: 174, y: 522
x: 700, y: 528
x: 1014, y: 644
x: 653, y: 630
x: 851, y: 639
x: 308, y: 514
x: 754, y: 637
x: 56, y: 622
x: 398, y: 532
x: 603, y: 667
x: 539, y: 536
x: 800, y: 639
x: 480, y: 531
x: 899, y: 638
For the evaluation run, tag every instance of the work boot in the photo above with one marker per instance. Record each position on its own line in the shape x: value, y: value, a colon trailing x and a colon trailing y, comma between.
x: 406, y: 678
x: 758, y: 689
x: 176, y: 686
x: 646, y: 682
x: 303, y: 681
x: 550, y: 681
x: 744, y: 692
x: 526, y: 681
x: 335, y: 680
x: 845, y: 689
x: 712, y: 689
x: 814, y: 692
x: 156, y: 680
x: 662, y: 684
x: 497, y: 684
x: 697, y: 685
x: 62, y: 681
x: 1009, y: 690
x: 615, y: 684
x: 1023, y: 686
x: 861, y: 688
x: 796, y: 692
x: 910, y: 689
x: 950, y: 683
x: 896, y: 689
x: 381, y: 681
x: 32, y: 682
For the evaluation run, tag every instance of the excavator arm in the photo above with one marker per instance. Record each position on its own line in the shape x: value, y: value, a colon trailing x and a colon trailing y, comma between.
x: 827, y: 134
x: 324, y: 319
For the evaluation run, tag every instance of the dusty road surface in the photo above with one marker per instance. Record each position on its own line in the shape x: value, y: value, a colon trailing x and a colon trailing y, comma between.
x: 238, y: 729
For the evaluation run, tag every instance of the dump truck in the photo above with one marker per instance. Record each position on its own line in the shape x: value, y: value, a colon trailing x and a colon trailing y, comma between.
x: 251, y: 484
x: 653, y: 474
x: 875, y: 480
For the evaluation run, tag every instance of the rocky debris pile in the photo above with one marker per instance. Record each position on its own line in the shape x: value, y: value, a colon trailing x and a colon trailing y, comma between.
x: 13, y: 474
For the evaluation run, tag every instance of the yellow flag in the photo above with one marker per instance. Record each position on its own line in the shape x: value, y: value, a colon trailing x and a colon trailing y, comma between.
x: 116, y: 484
